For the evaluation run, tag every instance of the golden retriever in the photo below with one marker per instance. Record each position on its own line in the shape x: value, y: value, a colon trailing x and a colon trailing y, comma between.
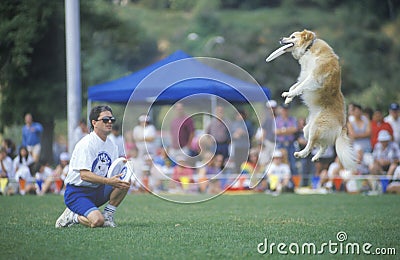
x: 319, y: 85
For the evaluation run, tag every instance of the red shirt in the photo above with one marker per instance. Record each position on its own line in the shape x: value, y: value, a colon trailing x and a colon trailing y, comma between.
x: 376, y: 127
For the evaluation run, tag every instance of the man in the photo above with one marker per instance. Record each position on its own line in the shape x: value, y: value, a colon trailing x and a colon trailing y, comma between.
x: 87, y: 185
x: 286, y: 128
x: 218, y: 128
x: 31, y: 135
x: 386, y: 155
x: 242, y: 133
x: 394, y: 120
x: 182, y: 132
x: 377, y: 124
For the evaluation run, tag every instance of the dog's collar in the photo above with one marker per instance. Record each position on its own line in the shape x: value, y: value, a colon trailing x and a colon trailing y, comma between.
x: 309, y: 46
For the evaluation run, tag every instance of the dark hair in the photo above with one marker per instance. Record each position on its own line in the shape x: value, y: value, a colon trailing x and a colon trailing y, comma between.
x: 19, y: 153
x: 95, y: 112
x: 357, y: 106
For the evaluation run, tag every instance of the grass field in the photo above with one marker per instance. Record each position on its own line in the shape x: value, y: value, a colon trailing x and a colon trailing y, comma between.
x: 229, y: 226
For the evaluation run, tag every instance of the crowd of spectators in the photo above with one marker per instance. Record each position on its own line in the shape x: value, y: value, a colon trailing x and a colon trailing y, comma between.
x: 194, y: 162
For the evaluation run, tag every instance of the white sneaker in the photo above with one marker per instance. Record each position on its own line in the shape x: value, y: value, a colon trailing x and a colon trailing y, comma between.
x: 109, y: 221
x: 66, y: 219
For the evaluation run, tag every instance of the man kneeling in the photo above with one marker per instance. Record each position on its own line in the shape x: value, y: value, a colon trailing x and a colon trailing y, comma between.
x: 87, y: 185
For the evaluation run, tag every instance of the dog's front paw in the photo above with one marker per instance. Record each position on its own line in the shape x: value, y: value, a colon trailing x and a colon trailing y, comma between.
x: 288, y: 100
x: 285, y: 94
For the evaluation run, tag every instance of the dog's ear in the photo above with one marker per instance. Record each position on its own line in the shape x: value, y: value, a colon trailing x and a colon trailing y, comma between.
x: 307, y: 35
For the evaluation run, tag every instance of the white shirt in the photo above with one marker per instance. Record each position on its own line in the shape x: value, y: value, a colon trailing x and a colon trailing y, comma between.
x: 281, y: 170
x: 8, y: 165
x: 140, y: 133
x: 17, y: 164
x: 395, y: 126
x: 24, y: 173
x: 93, y: 154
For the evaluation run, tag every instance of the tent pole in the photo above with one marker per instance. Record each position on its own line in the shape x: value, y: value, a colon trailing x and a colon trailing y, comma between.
x: 88, y: 109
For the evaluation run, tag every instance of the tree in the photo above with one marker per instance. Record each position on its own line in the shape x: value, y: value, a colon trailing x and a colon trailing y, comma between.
x: 32, y: 63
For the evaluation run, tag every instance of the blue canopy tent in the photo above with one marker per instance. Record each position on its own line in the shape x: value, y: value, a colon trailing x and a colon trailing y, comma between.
x: 183, y: 77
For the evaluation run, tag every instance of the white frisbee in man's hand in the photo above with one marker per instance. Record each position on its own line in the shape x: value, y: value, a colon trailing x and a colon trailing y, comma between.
x: 119, y: 166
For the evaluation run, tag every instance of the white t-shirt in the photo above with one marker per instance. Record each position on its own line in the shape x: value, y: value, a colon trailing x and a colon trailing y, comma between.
x: 282, y: 171
x: 395, y: 126
x: 24, y: 173
x: 26, y: 162
x: 8, y: 165
x: 140, y: 133
x: 93, y: 154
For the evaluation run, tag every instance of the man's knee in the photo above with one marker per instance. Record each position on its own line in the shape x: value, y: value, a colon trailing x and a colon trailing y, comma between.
x: 96, y: 219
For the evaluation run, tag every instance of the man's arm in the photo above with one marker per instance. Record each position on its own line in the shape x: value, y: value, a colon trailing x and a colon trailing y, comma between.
x: 114, y: 181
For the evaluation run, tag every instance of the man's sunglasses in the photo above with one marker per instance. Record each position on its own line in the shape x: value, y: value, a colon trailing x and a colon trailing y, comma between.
x: 107, y: 119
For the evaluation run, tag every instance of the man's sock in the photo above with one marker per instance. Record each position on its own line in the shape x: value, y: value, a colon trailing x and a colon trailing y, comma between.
x: 75, y: 218
x: 110, y: 209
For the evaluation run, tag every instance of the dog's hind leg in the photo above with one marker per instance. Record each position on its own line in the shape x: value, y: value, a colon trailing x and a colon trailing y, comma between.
x: 306, y: 151
x: 321, y: 151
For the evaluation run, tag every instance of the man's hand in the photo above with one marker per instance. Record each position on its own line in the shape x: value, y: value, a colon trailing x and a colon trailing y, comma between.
x: 116, y: 182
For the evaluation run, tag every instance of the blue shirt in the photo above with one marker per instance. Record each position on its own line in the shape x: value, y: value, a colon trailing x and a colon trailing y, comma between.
x: 31, y: 134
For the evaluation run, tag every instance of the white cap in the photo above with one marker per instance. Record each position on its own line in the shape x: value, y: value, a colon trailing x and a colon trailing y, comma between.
x: 277, y: 153
x: 144, y: 118
x: 64, y: 156
x: 384, y: 136
x: 272, y: 103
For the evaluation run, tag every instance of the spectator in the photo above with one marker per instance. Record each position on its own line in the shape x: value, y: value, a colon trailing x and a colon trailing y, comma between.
x: 377, y: 124
x: 386, y: 155
x: 360, y: 130
x: 325, y: 160
x: 31, y: 136
x: 208, y: 173
x: 181, y: 132
x: 242, y: 132
x: 117, y: 139
x: 286, y: 128
x: 9, y: 145
x: 80, y: 131
x: 182, y: 175
x: 26, y: 177
x: 44, y: 174
x: 6, y: 164
x: 250, y: 166
x: 23, y: 158
x: 307, y: 166
x: 268, y: 126
x: 218, y: 128
x: 6, y: 171
x: 363, y: 161
x: 58, y: 176
x: 394, y: 120
x: 335, y: 170
x: 144, y: 135
x: 278, y: 174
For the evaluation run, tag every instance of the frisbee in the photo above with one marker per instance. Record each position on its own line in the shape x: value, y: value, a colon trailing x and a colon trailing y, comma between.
x: 119, y: 167
x: 278, y: 52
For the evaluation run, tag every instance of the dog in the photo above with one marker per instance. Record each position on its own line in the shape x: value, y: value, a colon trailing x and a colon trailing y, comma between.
x: 319, y: 85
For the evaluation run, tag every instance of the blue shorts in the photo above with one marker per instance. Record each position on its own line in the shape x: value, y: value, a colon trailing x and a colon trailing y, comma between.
x: 83, y: 200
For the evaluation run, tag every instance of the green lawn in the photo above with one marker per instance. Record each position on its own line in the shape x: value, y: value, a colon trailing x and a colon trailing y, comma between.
x: 229, y: 226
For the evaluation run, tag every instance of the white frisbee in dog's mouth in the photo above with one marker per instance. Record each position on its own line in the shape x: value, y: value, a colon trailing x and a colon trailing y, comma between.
x: 278, y: 52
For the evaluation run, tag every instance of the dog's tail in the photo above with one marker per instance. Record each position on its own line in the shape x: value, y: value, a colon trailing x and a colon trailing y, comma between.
x: 345, y: 151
